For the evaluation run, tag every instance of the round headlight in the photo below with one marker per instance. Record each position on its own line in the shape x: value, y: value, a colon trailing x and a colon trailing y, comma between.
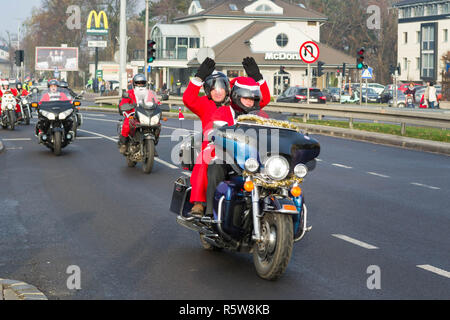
x: 277, y: 167
x: 300, y: 170
x: 251, y: 165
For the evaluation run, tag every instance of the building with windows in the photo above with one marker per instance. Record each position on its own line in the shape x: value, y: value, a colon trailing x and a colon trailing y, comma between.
x: 4, y: 62
x: 423, y: 38
x: 230, y: 30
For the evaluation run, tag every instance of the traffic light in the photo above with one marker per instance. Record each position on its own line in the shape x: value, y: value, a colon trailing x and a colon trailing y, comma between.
x: 150, y: 51
x: 19, y: 57
x: 360, y: 59
x: 320, y: 68
x: 343, y: 69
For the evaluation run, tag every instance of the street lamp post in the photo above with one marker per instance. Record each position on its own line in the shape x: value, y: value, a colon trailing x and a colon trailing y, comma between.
x: 123, y: 43
x: 146, y: 39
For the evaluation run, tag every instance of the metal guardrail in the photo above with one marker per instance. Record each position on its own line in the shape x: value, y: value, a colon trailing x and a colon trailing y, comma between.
x: 403, y: 117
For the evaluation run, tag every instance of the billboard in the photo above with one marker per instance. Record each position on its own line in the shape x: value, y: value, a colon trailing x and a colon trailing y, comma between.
x: 50, y: 58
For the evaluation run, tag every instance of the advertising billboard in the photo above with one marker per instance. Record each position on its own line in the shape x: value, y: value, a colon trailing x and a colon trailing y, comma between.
x: 52, y: 58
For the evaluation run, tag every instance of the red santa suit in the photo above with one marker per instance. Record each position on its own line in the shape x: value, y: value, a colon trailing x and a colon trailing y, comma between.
x: 15, y: 93
x: 208, y: 112
x: 133, y: 100
x: 54, y: 96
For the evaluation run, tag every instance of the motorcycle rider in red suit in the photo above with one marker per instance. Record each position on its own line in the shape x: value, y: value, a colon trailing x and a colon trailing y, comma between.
x: 217, y: 95
x: 5, y: 88
x: 139, y: 92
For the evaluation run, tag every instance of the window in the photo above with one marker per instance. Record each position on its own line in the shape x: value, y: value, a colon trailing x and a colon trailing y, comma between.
x: 233, y: 7
x: 264, y: 8
x: 406, y: 13
x: 428, y: 49
x: 445, y: 8
x: 418, y: 11
x: 405, y: 63
x: 282, y: 40
x: 432, y: 9
x: 231, y: 74
x: 182, y: 48
x: 405, y: 37
x: 445, y: 35
x: 428, y: 38
x: 428, y: 65
x: 194, y: 43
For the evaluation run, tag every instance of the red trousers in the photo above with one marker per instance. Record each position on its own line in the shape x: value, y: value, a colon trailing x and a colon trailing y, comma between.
x: 199, y: 177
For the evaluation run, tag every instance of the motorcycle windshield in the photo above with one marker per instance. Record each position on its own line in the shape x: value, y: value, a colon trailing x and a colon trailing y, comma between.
x: 47, y: 96
x: 246, y: 140
x: 55, y: 106
x: 146, y: 98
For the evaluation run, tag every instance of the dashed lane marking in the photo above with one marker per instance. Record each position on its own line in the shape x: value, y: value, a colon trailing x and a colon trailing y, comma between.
x: 435, y: 270
x: 424, y: 186
x: 378, y: 174
x: 17, y: 139
x: 354, y: 241
x: 341, y: 166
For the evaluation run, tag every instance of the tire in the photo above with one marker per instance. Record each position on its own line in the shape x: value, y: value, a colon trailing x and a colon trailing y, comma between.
x: 130, y: 164
x: 12, y: 119
x: 57, y: 141
x: 74, y: 128
x: 207, y: 246
x: 150, y: 159
x: 271, y: 260
x: 27, y: 117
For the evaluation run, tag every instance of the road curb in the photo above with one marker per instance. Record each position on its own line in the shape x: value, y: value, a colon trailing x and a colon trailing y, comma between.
x: 18, y: 290
x: 379, y: 138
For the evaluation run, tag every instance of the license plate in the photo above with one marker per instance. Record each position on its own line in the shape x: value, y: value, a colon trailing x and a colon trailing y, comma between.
x: 313, y: 100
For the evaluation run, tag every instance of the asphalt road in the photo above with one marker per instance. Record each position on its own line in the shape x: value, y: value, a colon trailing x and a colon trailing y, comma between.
x: 369, y: 205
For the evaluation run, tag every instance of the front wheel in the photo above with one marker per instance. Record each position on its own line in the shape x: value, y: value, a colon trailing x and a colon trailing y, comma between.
x: 57, y: 141
x: 271, y: 256
x: 27, y: 117
x: 12, y: 119
x: 149, y: 156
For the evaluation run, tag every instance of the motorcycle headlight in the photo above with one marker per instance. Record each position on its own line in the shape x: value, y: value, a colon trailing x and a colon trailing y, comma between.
x: 251, y: 165
x: 155, y: 119
x: 24, y: 101
x: 277, y: 167
x: 300, y: 170
x: 48, y: 115
x: 65, y: 114
x: 10, y: 106
x: 143, y: 119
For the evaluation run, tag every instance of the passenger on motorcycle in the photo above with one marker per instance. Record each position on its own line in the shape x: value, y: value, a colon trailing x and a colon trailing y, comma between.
x: 138, y: 93
x: 207, y: 109
x: 246, y: 97
x: 64, y: 87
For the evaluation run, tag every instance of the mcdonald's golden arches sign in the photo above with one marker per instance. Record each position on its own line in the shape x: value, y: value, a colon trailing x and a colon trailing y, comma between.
x: 98, y: 28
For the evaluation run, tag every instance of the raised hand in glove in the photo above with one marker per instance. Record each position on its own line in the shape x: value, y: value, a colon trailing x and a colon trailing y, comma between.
x: 252, y: 69
x: 206, y: 68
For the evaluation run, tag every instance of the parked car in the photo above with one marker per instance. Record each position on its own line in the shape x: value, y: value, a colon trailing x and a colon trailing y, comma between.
x: 332, y: 94
x: 372, y: 96
x: 401, y: 100
x: 114, y: 85
x: 299, y: 94
x: 405, y: 86
x: 378, y: 88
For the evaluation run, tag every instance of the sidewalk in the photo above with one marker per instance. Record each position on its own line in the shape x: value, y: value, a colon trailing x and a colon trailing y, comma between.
x: 17, y: 290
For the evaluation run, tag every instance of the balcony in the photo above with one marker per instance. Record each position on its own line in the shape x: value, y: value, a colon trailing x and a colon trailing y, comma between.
x: 174, y: 54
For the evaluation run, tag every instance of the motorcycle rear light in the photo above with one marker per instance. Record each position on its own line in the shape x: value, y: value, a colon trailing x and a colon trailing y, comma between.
x: 289, y: 207
x: 300, y: 97
x: 322, y: 98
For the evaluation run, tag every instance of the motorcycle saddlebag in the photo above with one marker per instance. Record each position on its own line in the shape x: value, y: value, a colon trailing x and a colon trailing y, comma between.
x: 180, y: 198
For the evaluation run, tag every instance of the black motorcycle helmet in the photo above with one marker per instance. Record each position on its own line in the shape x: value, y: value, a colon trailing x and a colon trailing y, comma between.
x: 139, y: 80
x: 245, y: 87
x: 217, y: 80
x: 63, y: 84
x: 19, y: 86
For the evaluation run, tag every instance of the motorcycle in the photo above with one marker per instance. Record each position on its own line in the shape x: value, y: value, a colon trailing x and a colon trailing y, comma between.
x: 55, y: 122
x: 77, y: 116
x: 144, y: 134
x: 260, y: 207
x: 8, y: 114
x: 26, y: 110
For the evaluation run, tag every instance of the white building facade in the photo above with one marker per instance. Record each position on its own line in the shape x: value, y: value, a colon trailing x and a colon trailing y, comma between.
x: 270, y: 31
x: 423, y: 38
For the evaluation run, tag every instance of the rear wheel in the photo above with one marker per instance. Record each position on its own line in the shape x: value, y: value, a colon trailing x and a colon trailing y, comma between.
x: 271, y: 256
x: 57, y: 141
x: 149, y: 156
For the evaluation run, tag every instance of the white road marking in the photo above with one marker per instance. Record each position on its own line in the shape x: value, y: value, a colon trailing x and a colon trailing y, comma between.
x: 15, y: 148
x: 424, y: 185
x: 186, y: 173
x: 341, y: 166
x: 354, y: 241
x: 378, y: 174
x: 99, y: 135
x: 88, y: 138
x: 319, y: 159
x: 115, y: 140
x: 17, y: 139
x: 106, y: 120
x: 434, y: 270
x: 94, y: 114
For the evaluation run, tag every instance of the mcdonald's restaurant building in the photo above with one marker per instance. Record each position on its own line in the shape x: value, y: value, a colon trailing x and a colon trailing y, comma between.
x: 270, y: 31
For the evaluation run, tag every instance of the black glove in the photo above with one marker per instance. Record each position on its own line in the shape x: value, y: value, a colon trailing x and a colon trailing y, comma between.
x: 252, y: 69
x: 206, y: 68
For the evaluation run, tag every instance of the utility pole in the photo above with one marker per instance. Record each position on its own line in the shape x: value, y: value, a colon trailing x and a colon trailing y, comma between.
x: 146, y: 39
x: 123, y: 43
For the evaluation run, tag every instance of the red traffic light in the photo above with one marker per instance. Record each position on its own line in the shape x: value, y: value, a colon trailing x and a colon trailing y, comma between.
x: 361, y: 51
